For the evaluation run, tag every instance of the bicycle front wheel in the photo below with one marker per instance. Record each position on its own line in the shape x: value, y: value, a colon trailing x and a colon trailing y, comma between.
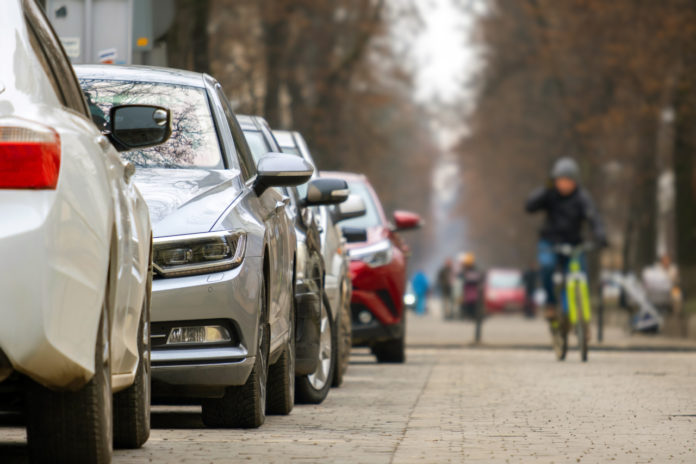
x: 559, y: 338
x: 582, y: 339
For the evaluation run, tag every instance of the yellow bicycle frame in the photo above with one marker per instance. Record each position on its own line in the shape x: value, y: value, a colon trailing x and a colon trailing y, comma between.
x: 576, y: 280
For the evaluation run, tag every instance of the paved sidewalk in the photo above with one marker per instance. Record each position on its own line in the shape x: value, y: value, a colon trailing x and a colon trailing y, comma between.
x: 516, y: 331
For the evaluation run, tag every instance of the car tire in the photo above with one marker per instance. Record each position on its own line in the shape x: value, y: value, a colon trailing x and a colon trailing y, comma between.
x: 74, y: 426
x: 281, y: 377
x: 391, y: 351
x: 314, y: 388
x: 244, y: 406
x: 132, y: 405
x: 344, y: 345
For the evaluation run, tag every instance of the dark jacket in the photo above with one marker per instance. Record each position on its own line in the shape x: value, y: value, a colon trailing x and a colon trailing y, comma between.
x: 565, y: 216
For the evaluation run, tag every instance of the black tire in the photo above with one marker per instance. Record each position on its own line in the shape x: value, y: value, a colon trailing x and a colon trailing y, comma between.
x: 559, y: 336
x: 281, y: 377
x: 582, y: 339
x: 310, y: 389
x: 344, y: 345
x: 132, y: 405
x: 391, y: 351
x: 73, y: 427
x: 244, y: 406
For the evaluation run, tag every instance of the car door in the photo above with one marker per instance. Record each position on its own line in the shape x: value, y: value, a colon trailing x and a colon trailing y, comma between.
x: 271, y: 209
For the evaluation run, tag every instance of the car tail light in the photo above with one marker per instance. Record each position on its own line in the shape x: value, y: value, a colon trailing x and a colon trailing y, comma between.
x: 29, y: 155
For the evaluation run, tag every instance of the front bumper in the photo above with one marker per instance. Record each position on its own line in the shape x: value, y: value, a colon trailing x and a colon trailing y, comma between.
x: 367, y: 334
x: 232, y: 297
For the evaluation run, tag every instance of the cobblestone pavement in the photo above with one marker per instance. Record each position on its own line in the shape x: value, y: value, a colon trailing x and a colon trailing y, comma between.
x: 457, y: 405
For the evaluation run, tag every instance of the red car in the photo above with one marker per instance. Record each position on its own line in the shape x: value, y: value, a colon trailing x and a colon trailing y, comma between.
x: 504, y: 291
x: 378, y: 271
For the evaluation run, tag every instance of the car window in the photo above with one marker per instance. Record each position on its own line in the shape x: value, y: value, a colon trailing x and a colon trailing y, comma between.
x: 62, y: 75
x: 257, y: 144
x: 504, y: 280
x: 372, y: 217
x: 244, y: 155
x: 291, y: 150
x: 193, y: 142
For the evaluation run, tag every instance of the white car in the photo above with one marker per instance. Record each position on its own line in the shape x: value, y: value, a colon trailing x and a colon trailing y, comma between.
x: 75, y: 244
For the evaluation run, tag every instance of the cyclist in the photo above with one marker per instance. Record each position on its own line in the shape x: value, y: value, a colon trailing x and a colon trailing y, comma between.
x: 568, y: 207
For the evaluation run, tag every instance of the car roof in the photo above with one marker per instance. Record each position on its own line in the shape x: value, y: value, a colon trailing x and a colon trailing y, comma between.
x: 140, y: 73
x: 251, y: 122
x: 347, y: 176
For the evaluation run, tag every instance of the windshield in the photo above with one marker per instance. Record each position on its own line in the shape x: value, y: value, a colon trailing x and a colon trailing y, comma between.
x: 504, y: 280
x: 372, y: 217
x: 193, y: 143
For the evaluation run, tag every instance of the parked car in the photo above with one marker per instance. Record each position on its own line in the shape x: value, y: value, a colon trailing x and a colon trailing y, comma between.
x: 224, y: 246
x: 378, y: 268
x: 318, y: 321
x: 75, y: 242
x: 504, y: 291
x: 337, y: 283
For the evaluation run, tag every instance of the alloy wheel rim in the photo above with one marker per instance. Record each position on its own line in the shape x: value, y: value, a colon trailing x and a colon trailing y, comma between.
x: 321, y: 376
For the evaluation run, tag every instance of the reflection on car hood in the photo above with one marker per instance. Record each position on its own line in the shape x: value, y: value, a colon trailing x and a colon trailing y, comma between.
x: 186, y: 201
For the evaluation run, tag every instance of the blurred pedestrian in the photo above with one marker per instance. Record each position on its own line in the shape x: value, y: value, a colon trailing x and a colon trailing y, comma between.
x: 421, y: 286
x: 445, y: 281
x: 471, y: 280
x: 662, y: 285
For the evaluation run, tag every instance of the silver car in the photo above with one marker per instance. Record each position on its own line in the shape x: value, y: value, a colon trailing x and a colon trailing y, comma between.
x: 224, y: 246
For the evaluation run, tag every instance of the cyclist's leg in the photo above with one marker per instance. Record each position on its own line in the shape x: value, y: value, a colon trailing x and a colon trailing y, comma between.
x: 547, y: 266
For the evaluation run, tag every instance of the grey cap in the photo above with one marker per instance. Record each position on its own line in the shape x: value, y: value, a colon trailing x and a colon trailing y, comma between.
x: 566, y: 167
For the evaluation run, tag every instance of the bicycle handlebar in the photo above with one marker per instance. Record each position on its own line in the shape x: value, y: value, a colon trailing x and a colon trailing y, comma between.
x: 572, y: 250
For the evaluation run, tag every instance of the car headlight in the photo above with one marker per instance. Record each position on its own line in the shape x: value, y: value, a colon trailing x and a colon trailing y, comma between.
x: 375, y: 255
x: 198, y: 253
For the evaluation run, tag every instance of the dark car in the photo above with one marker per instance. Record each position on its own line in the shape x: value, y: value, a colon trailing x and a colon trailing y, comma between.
x: 378, y: 268
x: 316, y: 344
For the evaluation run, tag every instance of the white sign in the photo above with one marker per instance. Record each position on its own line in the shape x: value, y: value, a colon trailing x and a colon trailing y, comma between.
x: 71, y: 46
x: 107, y: 56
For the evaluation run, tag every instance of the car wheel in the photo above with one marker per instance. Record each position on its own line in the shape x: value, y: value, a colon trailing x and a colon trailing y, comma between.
x: 132, y: 405
x: 74, y: 426
x: 391, y: 351
x: 245, y: 406
x: 281, y: 377
x: 313, y: 388
x: 345, y: 344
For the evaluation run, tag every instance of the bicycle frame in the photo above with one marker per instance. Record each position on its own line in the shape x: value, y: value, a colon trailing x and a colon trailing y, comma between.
x: 576, y: 281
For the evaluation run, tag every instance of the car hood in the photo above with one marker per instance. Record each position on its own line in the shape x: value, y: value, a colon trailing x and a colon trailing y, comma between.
x: 186, y: 201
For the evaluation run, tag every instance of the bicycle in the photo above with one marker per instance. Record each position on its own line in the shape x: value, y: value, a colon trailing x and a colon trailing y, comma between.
x: 576, y: 303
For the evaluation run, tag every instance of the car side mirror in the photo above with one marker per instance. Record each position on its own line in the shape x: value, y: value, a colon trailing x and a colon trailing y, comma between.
x: 281, y: 170
x: 353, y: 207
x: 406, y: 220
x: 326, y: 192
x: 354, y: 234
x: 138, y: 126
